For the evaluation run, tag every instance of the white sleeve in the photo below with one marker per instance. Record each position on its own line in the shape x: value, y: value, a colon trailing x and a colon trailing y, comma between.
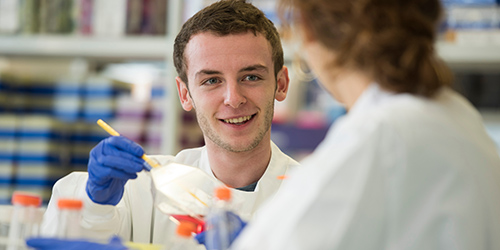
x: 324, y: 203
x: 99, y: 222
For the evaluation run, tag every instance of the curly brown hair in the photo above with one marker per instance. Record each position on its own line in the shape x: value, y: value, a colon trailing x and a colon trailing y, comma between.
x: 223, y: 18
x: 390, y: 40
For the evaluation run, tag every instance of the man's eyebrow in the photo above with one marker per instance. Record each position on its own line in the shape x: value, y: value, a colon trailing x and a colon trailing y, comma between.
x: 207, y: 72
x: 245, y: 69
x: 255, y: 67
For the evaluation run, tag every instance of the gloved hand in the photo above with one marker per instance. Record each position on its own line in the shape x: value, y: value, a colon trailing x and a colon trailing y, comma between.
x: 112, y: 163
x: 60, y: 244
x: 236, y: 225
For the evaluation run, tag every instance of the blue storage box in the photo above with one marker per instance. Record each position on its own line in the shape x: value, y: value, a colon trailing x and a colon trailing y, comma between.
x: 96, y: 86
x: 39, y: 173
x: 39, y: 127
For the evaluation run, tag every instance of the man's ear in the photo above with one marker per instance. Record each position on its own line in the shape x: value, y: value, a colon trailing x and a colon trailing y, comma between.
x: 282, y: 84
x: 184, y: 95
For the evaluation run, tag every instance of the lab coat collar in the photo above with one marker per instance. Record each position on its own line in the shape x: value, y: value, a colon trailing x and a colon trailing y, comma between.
x: 270, y: 180
x: 266, y: 186
x: 204, y: 164
x: 271, y: 171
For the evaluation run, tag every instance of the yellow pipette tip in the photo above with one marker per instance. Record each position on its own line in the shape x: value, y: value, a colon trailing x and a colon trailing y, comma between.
x: 149, y: 163
x: 107, y: 128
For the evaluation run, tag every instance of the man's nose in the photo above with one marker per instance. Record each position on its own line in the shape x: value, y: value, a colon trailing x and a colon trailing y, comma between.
x: 234, y: 95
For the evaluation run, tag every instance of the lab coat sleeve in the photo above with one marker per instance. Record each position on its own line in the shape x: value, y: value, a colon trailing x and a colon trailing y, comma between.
x: 99, y: 222
x: 325, y: 203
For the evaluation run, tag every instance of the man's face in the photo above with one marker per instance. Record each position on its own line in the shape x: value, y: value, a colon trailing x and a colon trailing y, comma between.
x: 232, y: 88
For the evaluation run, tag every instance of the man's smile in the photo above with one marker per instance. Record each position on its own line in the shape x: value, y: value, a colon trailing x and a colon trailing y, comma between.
x: 238, y: 120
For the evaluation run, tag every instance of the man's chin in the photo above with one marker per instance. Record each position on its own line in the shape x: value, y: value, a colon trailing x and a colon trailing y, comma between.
x: 239, y: 149
x: 239, y: 146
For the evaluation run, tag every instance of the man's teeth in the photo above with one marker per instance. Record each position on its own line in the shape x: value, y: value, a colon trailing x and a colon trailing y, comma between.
x: 238, y: 120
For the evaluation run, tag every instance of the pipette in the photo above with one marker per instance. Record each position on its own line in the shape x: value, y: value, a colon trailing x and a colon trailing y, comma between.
x: 148, y: 164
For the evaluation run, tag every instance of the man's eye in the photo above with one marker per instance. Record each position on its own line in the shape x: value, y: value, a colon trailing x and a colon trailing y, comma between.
x: 211, y: 81
x: 252, y: 78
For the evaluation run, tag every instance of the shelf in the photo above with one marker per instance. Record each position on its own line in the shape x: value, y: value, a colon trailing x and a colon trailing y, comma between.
x: 473, y: 56
x: 80, y: 46
x: 467, y: 56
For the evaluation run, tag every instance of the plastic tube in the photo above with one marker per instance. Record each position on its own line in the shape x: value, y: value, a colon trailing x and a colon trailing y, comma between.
x: 69, y: 218
x: 25, y: 221
x: 217, y: 223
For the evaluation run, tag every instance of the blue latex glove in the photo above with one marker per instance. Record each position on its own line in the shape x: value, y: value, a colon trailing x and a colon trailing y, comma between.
x: 236, y: 225
x: 112, y: 163
x: 60, y: 244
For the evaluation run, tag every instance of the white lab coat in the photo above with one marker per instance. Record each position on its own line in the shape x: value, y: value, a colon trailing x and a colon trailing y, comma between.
x: 398, y: 172
x: 134, y: 218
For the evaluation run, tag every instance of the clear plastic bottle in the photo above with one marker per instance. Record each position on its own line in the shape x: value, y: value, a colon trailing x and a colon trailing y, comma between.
x: 184, y: 234
x: 69, y: 218
x: 5, y: 217
x: 217, y: 222
x: 26, y: 219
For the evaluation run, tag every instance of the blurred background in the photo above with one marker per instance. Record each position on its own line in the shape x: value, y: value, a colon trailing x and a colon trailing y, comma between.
x: 66, y: 63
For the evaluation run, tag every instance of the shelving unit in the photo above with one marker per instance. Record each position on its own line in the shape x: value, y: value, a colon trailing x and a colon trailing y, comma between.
x: 113, y: 48
x: 462, y: 57
x: 161, y: 48
x: 100, y: 50
x: 157, y: 48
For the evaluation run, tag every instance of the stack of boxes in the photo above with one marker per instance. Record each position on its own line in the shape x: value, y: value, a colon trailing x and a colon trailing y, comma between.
x: 47, y: 126
x: 8, y: 128
x: 67, y: 100
x: 40, y: 155
x: 99, y: 96
x: 79, y: 144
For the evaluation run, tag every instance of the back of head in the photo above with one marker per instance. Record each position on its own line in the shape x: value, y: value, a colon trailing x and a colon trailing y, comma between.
x: 227, y: 17
x: 392, y: 41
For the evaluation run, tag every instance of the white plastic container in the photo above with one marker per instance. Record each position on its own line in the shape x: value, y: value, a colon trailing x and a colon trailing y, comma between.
x: 25, y: 221
x: 69, y: 218
x: 217, y: 224
x: 5, y: 215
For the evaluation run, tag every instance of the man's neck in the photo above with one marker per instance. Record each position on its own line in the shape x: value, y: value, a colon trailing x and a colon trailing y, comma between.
x: 242, y: 168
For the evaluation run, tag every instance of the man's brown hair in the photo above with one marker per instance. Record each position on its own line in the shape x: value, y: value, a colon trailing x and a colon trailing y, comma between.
x: 223, y: 18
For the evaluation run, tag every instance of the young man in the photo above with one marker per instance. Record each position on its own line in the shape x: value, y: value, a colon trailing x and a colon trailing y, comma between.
x: 230, y: 65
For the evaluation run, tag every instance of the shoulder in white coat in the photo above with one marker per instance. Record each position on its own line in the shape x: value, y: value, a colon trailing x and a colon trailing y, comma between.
x: 398, y: 172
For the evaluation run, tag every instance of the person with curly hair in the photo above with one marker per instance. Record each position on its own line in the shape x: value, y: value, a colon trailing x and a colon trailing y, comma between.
x: 410, y: 166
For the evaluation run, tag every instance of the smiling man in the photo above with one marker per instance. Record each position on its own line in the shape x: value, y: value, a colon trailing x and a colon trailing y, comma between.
x: 230, y: 64
x: 231, y: 83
